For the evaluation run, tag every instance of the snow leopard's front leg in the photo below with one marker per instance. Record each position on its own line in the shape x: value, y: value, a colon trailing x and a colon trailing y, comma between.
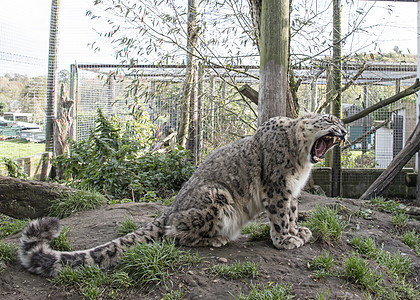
x: 304, y: 233
x: 281, y: 218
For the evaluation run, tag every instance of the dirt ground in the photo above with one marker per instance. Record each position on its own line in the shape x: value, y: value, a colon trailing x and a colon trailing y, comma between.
x: 94, y: 227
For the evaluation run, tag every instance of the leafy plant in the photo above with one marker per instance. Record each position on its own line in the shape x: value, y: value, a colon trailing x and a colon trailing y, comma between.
x: 114, y: 161
x: 13, y: 169
x: 238, y: 270
x: 269, y: 292
x: 72, y: 202
x: 326, y: 224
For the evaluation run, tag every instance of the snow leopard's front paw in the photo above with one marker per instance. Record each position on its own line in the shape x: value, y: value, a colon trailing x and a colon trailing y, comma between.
x: 288, y: 242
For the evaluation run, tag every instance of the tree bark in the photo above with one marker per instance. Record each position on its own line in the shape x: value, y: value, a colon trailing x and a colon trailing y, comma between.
x: 386, y: 178
x: 274, y: 59
x: 27, y: 198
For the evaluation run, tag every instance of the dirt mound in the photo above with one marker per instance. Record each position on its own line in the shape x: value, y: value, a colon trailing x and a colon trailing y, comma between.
x: 95, y: 227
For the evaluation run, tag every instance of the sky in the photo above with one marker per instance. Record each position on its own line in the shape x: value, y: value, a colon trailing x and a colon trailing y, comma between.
x: 24, y: 32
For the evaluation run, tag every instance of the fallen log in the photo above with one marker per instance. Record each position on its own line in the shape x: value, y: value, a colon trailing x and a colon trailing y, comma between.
x: 28, y: 198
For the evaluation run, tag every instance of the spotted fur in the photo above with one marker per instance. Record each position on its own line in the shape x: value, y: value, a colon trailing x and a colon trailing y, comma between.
x: 262, y: 172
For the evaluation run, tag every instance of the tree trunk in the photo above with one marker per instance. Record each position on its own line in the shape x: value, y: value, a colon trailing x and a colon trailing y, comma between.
x: 274, y: 59
x: 386, y: 178
x: 336, y: 104
x: 190, y: 81
x: 27, y: 198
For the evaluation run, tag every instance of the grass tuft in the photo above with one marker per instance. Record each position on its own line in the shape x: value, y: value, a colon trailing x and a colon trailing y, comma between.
x: 400, y: 220
x: 322, y: 265
x: 61, y: 243
x: 153, y: 263
x: 257, y: 231
x: 8, y: 252
x: 357, y: 270
x: 127, y: 226
x: 396, y: 263
x: 174, y: 295
x: 268, y: 292
x: 237, y: 270
x: 412, y: 240
x: 388, y: 206
x: 11, y: 226
x: 70, y: 203
x: 326, y: 224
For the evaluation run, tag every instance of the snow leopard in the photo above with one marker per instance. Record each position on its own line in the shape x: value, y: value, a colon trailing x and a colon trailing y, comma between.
x: 262, y: 172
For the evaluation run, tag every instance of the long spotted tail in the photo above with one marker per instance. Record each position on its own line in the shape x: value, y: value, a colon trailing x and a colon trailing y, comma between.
x: 37, y: 257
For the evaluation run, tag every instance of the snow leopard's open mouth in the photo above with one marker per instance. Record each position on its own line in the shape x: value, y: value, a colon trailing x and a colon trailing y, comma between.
x: 323, y: 144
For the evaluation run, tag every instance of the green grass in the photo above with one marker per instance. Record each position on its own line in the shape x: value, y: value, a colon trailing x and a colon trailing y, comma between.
x: 322, y: 265
x: 174, y: 295
x: 396, y: 264
x: 388, y: 206
x: 357, y: 270
x: 127, y: 226
x: 412, y: 240
x: 19, y: 148
x: 400, y: 220
x: 61, y: 243
x: 92, y: 282
x: 268, y: 292
x: 8, y: 253
x: 70, y: 203
x: 326, y: 224
x: 10, y: 226
x: 257, y: 231
x: 238, y: 270
x: 154, y: 263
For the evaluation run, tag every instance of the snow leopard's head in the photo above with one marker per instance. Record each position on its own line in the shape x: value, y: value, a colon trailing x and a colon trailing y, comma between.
x: 326, y: 132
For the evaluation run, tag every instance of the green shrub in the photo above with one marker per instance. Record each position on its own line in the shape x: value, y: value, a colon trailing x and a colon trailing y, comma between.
x: 114, y: 160
x: 8, y: 252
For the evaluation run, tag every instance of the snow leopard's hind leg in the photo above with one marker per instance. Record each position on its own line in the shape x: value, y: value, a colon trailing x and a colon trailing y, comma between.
x: 36, y: 255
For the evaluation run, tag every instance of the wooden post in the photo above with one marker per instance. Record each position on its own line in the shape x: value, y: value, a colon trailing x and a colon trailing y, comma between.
x: 274, y: 59
x: 336, y: 105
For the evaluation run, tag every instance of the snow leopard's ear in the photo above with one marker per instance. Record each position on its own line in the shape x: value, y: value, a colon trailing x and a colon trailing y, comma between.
x: 307, y: 114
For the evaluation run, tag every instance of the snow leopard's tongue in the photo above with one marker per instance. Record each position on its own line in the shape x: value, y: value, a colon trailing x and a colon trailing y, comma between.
x: 320, y: 147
